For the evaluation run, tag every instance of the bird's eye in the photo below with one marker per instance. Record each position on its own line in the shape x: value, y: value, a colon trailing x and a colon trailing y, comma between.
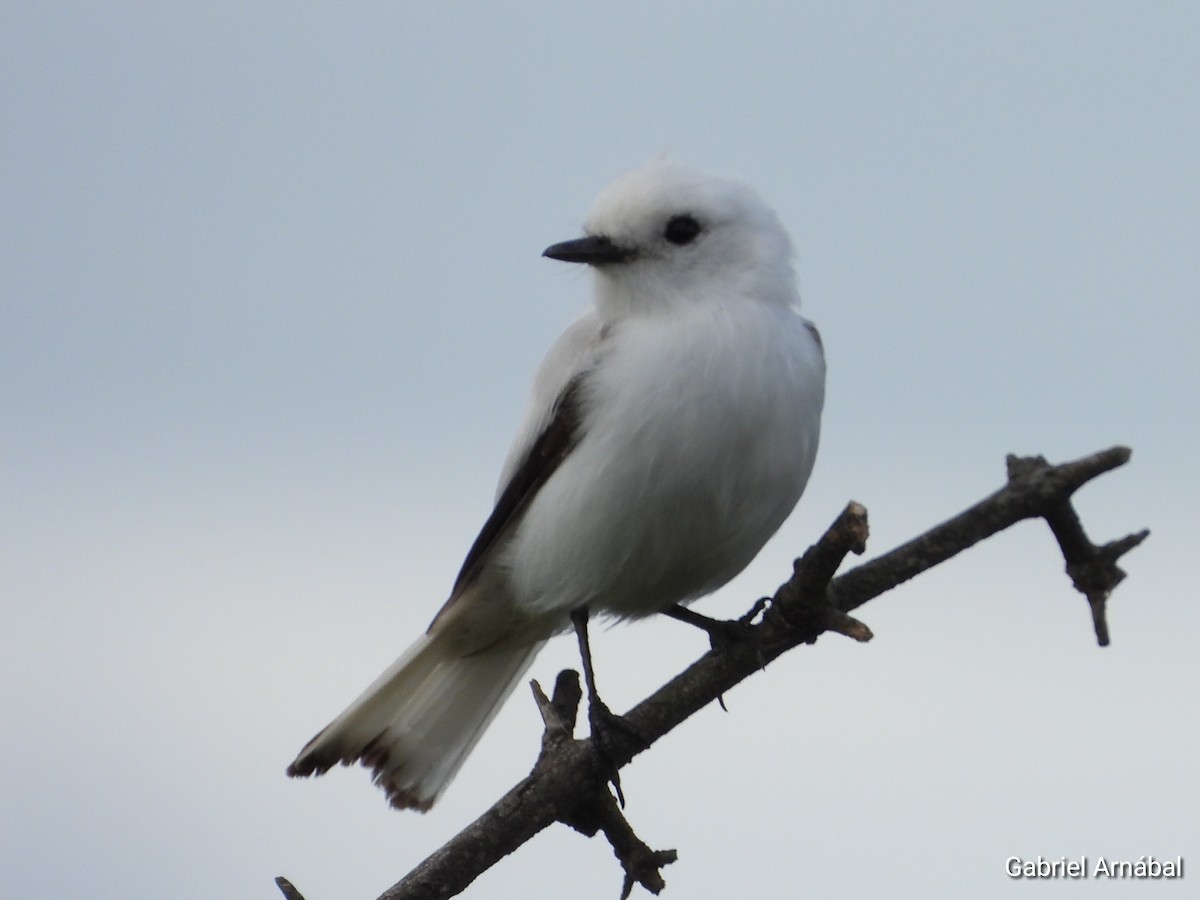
x: 681, y: 230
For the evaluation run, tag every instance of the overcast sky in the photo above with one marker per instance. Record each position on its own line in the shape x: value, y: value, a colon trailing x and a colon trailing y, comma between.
x: 270, y: 303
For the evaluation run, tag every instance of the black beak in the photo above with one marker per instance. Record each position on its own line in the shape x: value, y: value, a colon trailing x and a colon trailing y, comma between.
x: 595, y: 251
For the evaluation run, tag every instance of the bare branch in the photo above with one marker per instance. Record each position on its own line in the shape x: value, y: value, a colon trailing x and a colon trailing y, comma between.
x: 288, y: 889
x: 1035, y: 489
x: 568, y: 781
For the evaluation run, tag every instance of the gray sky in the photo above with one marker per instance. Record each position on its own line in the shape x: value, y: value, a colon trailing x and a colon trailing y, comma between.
x: 272, y: 296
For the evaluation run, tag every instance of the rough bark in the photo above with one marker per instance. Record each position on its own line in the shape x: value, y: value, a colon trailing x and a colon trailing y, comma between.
x: 570, y: 781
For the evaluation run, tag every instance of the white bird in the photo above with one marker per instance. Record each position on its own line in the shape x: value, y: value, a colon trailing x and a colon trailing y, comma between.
x: 670, y: 432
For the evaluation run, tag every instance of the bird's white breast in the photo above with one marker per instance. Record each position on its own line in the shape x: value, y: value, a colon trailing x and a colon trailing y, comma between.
x: 700, y: 431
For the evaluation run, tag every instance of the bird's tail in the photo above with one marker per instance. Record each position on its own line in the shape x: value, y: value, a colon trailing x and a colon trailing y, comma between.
x: 420, y: 719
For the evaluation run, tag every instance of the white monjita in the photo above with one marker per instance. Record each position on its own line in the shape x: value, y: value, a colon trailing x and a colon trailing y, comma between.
x: 670, y: 432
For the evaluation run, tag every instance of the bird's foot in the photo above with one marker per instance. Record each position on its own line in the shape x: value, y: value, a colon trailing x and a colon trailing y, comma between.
x: 723, y: 634
x: 615, y: 739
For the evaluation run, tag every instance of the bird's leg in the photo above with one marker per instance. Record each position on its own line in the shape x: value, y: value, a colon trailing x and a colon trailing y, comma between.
x: 579, y: 618
x: 602, y: 720
x: 722, y: 633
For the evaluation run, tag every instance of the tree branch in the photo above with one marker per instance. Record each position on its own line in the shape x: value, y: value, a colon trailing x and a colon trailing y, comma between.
x: 568, y: 783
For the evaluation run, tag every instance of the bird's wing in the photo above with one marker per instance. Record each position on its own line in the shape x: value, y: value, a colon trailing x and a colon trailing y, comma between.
x: 553, y: 427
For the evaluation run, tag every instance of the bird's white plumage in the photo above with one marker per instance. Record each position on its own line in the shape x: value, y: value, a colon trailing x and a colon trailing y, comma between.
x: 694, y: 454
x: 691, y: 429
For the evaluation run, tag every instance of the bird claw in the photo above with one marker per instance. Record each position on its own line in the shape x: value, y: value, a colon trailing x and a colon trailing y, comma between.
x: 605, y: 726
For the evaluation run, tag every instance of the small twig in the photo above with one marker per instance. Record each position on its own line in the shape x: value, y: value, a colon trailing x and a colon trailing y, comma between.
x: 288, y: 889
x: 559, y: 714
x: 804, y: 606
x: 599, y: 811
x: 1097, y: 577
x: 641, y: 864
x: 1093, y: 570
x: 842, y: 623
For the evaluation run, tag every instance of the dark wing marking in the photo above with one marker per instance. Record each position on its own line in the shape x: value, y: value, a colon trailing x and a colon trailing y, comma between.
x: 552, y: 446
x: 812, y: 329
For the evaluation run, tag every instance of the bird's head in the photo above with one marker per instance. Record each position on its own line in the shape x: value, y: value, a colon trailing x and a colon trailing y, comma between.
x: 667, y: 234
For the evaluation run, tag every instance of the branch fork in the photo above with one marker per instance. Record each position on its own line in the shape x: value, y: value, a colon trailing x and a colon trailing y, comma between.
x: 569, y: 782
x: 1093, y: 570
